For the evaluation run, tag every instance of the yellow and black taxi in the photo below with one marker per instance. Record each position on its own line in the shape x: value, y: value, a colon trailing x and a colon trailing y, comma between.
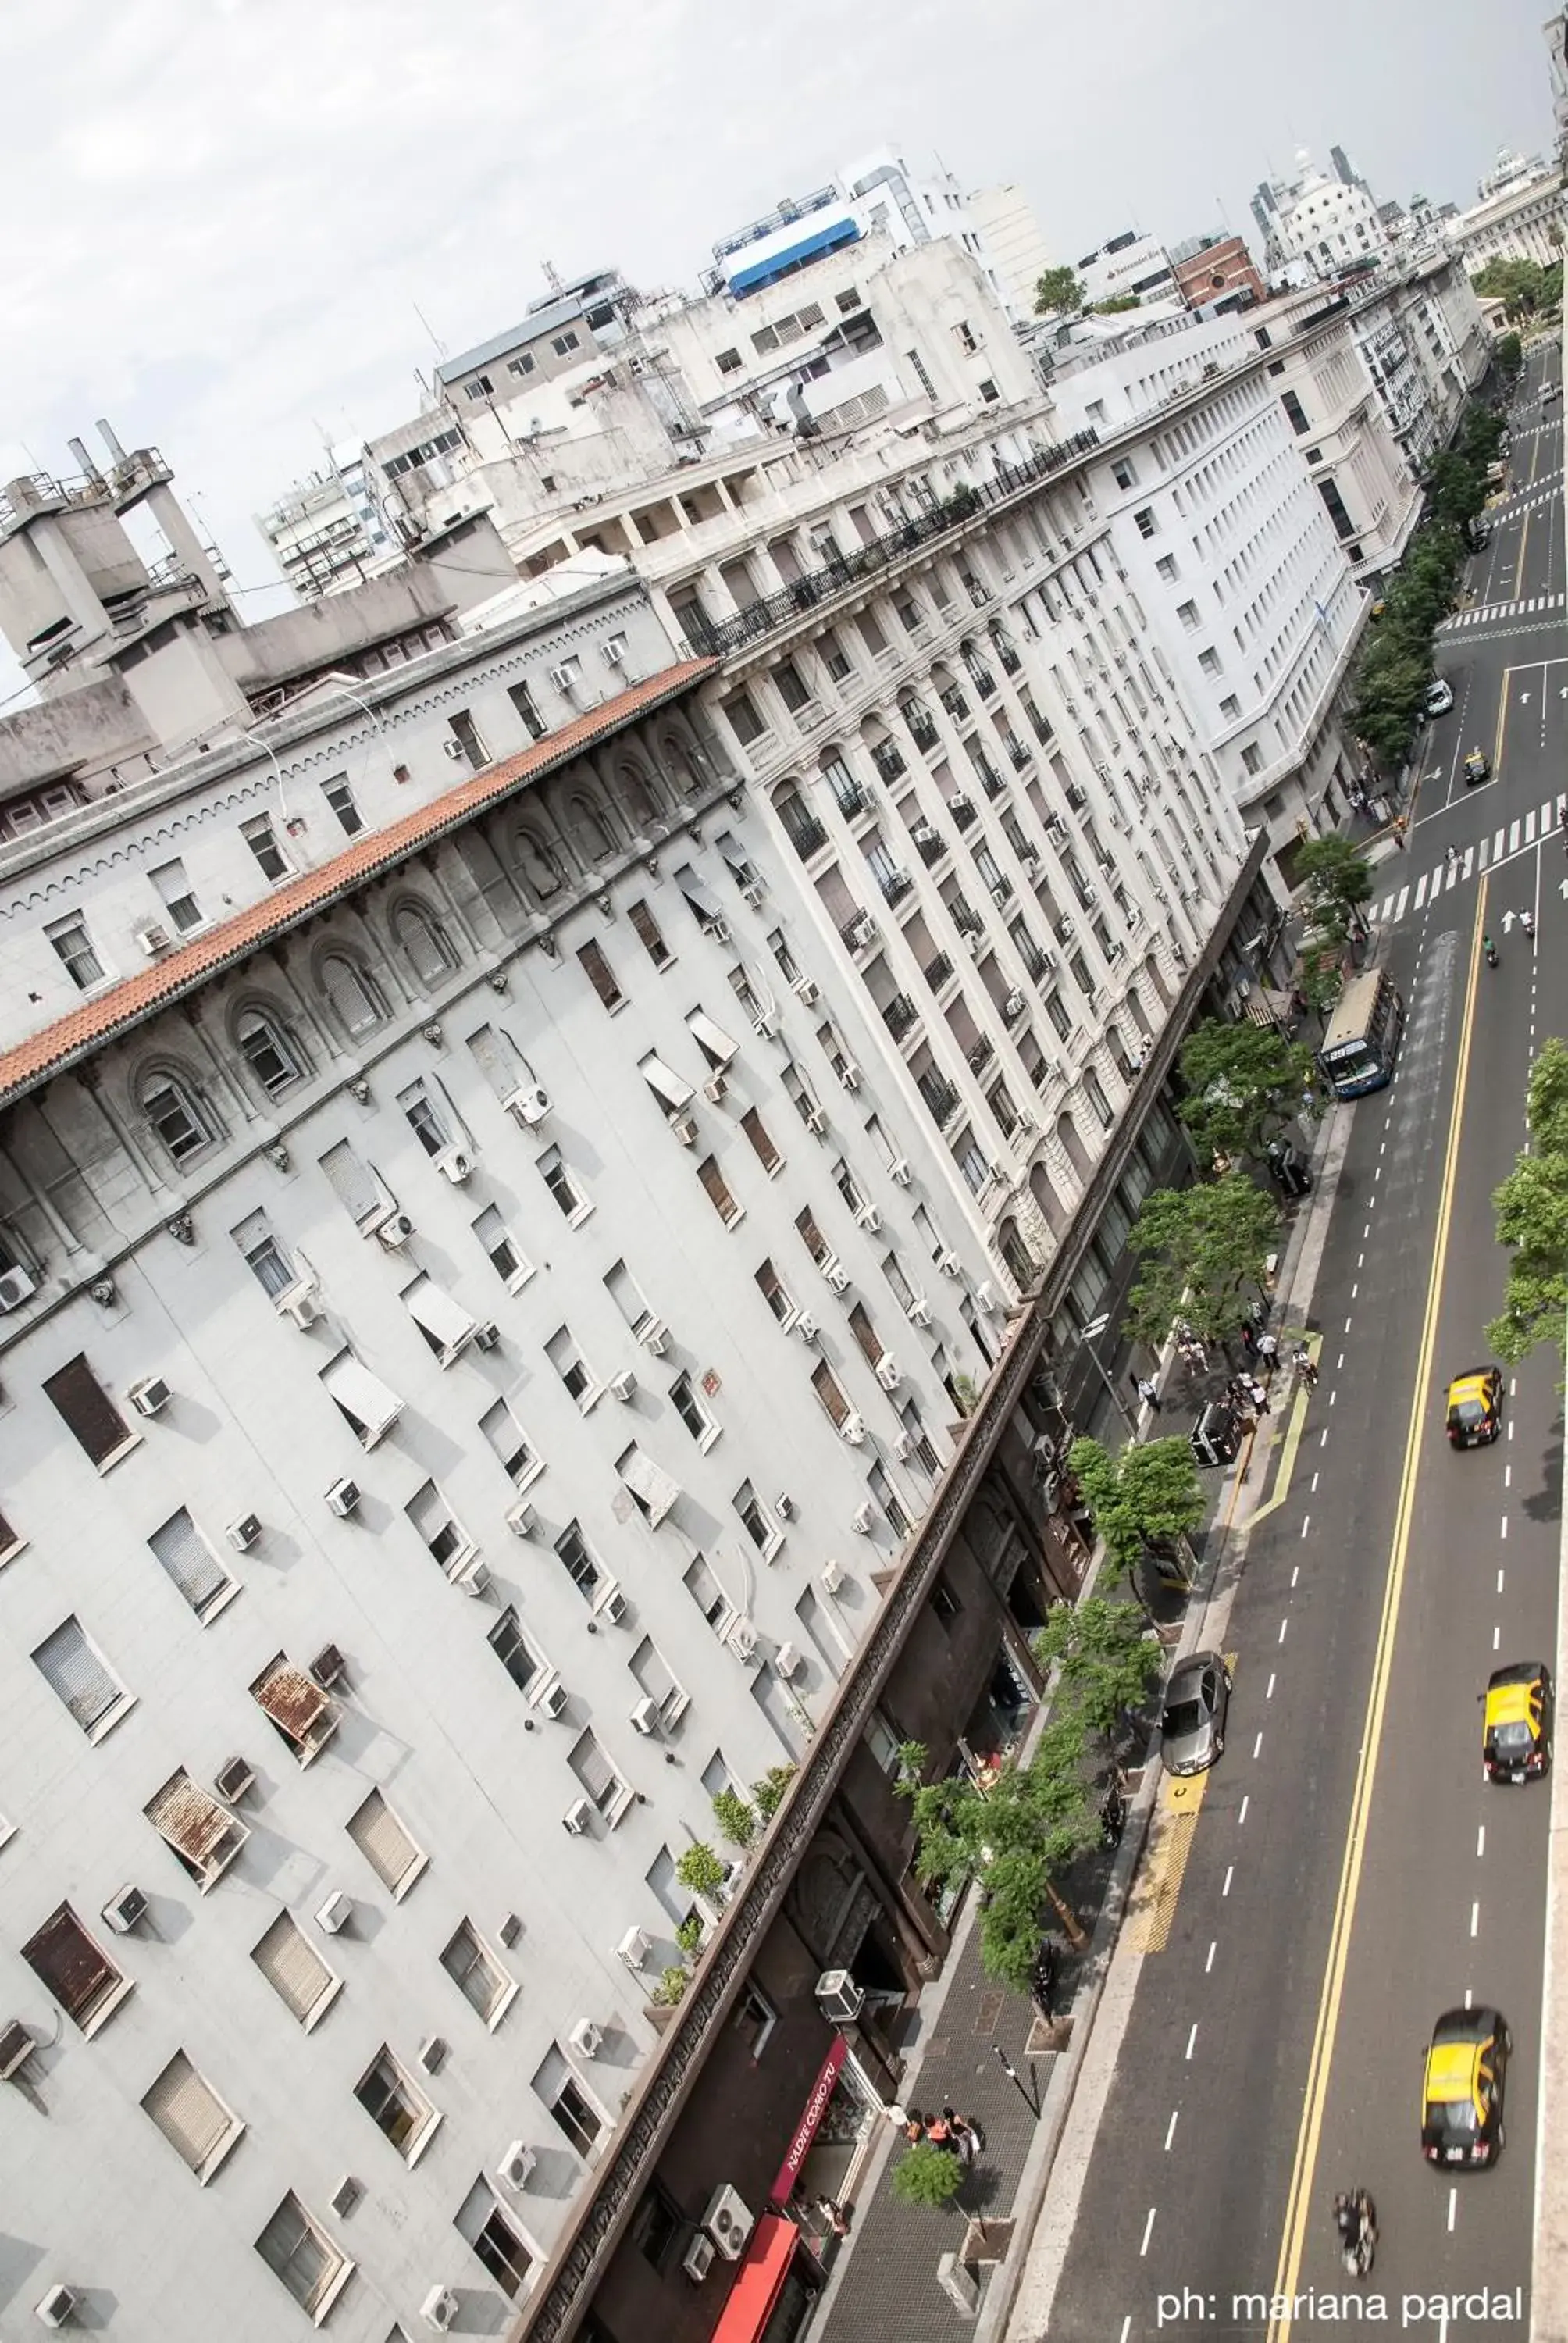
x: 1475, y: 1407
x: 1516, y: 1724
x: 1461, y: 2090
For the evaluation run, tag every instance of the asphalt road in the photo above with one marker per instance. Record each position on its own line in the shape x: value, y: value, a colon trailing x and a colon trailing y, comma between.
x: 1324, y: 1922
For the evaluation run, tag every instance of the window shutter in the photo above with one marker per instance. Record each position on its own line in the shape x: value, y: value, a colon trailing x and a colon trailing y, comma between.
x: 349, y: 995
x: 190, y: 1562
x: 76, y: 1672
x: 293, y: 1967
x: 593, y: 1769
x: 193, y: 1825
x: 189, y: 2114
x: 88, y: 1409
x: 355, y: 1186
x: 63, y: 1956
x: 666, y: 1085
x: 497, y: 1056
x: 713, y: 1178
x: 828, y: 1393
x: 364, y: 1399
x: 647, y: 1666
x: 383, y: 1841
x: 650, y: 1481
x: 430, y: 1307
x: 712, y: 1039
x: 290, y: 1698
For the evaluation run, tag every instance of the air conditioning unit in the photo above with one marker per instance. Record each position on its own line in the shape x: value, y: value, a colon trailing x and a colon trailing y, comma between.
x: 635, y: 1947
x: 974, y: 944
x: 949, y: 1264
x: 728, y: 2222
x: 151, y: 941
x: 806, y: 991
x: 685, y: 1129
x: 862, y: 1517
x: 806, y: 1326
x: 614, y: 651
x: 150, y: 1396
x: 752, y: 893
x: 655, y: 1337
x: 522, y: 1520
x: 474, y: 1579
x: 343, y: 1496
x: 586, y: 2038
x: 15, y: 2048
x: 985, y: 1294
x: 347, y: 2194
x: 531, y: 1106
x: 644, y: 1717
x: 834, y: 1271
x: 58, y: 2307
x: 16, y: 1287
x: 624, y: 1385
x: 488, y: 1337
x: 742, y: 1636
x: 889, y: 1373
x: 441, y: 2306
x: 553, y: 1700
x: 717, y: 928
x: 455, y: 1164
x: 785, y: 1507
x: 765, y: 1022
x: 919, y: 1312
x: 1030, y: 865
x: 124, y: 1909
x: 577, y: 1815
x: 833, y: 1576
x: 243, y: 1535
x: 394, y: 1231
x: 1000, y: 895
x: 301, y: 1301
x: 698, y: 2259
x: 714, y: 1090
x: 816, y: 1121
x: 613, y: 1607
x: 787, y: 1661
x: 898, y: 1172
x: 868, y: 1217
x: 862, y: 933
x: 904, y: 1446
x: 516, y: 2168
x: 233, y: 1779
x: 1014, y: 1005
x: 335, y: 1913
x: 328, y: 1667
x: 453, y: 749
x: 562, y: 677
x: 853, y: 1429
x: 849, y: 1074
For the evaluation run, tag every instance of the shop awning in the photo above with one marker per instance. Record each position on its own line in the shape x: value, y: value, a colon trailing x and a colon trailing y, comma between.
x: 760, y: 2281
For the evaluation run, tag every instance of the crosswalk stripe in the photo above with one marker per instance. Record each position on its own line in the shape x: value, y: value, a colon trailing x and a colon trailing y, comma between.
x: 1497, y: 846
x: 1469, y: 862
x: 1399, y: 906
x: 1482, y: 851
x: 1420, y: 890
x: 1512, y: 836
x: 1530, y: 829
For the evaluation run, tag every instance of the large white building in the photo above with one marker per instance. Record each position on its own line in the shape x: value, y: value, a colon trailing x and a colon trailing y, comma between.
x: 1317, y: 222
x: 509, y: 1172
x: 1519, y: 215
x: 1132, y: 267
x: 328, y: 533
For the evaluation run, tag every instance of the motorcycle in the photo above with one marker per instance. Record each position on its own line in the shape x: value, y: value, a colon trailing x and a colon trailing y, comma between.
x: 1489, y: 948
x: 1112, y: 1816
x: 1527, y: 922
x: 1044, y: 1984
x: 1355, y: 2220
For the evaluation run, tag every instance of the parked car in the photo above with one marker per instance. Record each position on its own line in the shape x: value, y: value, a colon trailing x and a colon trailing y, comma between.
x: 1193, y: 1721
x: 1439, y: 698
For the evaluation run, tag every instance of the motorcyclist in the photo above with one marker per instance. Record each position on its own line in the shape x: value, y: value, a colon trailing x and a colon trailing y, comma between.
x: 1489, y: 948
x: 1355, y: 2220
x: 1527, y: 922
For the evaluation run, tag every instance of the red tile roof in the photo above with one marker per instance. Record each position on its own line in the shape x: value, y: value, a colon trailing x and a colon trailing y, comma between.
x: 74, y: 1037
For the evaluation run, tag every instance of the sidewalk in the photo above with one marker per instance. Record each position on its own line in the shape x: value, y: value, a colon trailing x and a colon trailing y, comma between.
x: 883, y: 2282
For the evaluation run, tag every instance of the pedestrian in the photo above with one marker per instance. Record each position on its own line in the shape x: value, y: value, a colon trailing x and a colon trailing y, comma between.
x: 1258, y: 1395
x: 1249, y: 1339
x: 938, y: 2132
x: 1397, y: 828
x: 1268, y: 1348
x: 1305, y: 1365
x: 1149, y: 1392
x: 1452, y: 855
x: 915, y: 2128
x: 835, y: 2215
x: 965, y: 2135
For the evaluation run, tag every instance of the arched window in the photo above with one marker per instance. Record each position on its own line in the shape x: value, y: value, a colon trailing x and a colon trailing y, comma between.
x: 687, y: 779
x: 356, y: 1002
x: 636, y: 790
x: 541, y: 864
x: 268, y: 1052
x: 594, y: 838
x: 422, y: 944
x: 1017, y: 1255
x: 177, y: 1115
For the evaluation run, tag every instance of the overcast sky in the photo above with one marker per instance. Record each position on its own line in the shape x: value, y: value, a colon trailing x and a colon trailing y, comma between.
x: 222, y: 218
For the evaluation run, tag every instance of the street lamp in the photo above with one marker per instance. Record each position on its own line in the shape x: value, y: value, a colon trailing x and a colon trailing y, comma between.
x: 332, y: 682
x: 1095, y: 1328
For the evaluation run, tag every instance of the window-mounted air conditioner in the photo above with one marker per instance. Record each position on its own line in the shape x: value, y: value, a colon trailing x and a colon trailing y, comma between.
x: 475, y: 1578
x: 765, y: 1022
x: 898, y: 1172
x: 752, y: 893
x: 717, y: 928
x: 150, y: 1396
x: 635, y: 1947
x: 335, y: 1913
x: 577, y: 1815
x: 787, y: 1661
x: 455, y: 1164
x: 741, y: 1638
x: 853, y: 1429
x: 343, y: 1496
x: 562, y: 677
x: 613, y: 1607
x: 806, y: 1326
x: 685, y: 1129
x: 553, y: 1700
x: 152, y: 940
x: 834, y: 1575
x: 243, y: 1534
x: 849, y: 1074
x: 587, y: 2038
x: 862, y: 1519
x: 655, y: 1337
x: 815, y: 1121
x: 644, y: 1717
x: 715, y: 1090
x: 784, y: 1505
x: 233, y: 1779
x: 949, y: 1264
x: 522, y: 1520
x: 904, y: 1446
x: 394, y: 1231
x: 986, y: 1295
x: 834, y: 1271
x: 124, y: 1907
x: 614, y: 651
x: 301, y: 1301
x: 488, y: 1337
x: 16, y: 1287
x: 624, y: 1385
x: 806, y: 991
x: 869, y: 1217
x: 531, y: 1106
x: 516, y: 2168
x: 453, y: 749
x: 889, y: 1373
x: 919, y: 1312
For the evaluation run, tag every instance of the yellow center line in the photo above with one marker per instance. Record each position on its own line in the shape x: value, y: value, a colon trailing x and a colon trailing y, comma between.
x: 1298, y: 2202
x: 1523, y: 541
x: 1501, y: 724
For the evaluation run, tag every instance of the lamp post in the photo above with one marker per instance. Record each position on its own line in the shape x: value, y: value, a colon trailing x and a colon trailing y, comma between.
x: 1095, y: 1328
x: 267, y: 749
x: 332, y: 682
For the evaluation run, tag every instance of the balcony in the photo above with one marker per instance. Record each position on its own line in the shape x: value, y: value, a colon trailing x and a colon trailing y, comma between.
x: 850, y: 799
x: 860, y: 933
x: 955, y: 703
x: 982, y: 680
x: 1038, y: 724
x: 941, y: 1097
x: 964, y: 917
x: 1019, y: 754
x: 962, y: 810
x: 981, y: 1053
x: 1035, y: 963
x: 929, y: 845
x: 922, y: 729
x: 899, y: 1014
x: 938, y: 971
x: 806, y: 835
x: 1008, y: 656
x: 889, y: 760
x: 1002, y: 892
x: 895, y: 885
x: 992, y: 782
x: 979, y: 595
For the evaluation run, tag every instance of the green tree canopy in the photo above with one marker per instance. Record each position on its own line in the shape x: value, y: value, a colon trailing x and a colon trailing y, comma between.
x: 928, y: 2174
x: 1145, y: 1499
x: 1059, y: 292
x: 1522, y: 287
x: 1244, y: 1083
x: 1532, y: 1218
x: 1199, y: 1246
x: 1336, y: 880
x: 1509, y: 355
x: 1107, y: 1659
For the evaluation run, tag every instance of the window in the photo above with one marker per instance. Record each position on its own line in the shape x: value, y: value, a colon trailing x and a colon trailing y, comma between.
x: 303, y: 2256
x: 174, y: 890
x: 75, y: 947
x: 811, y: 1236
x: 577, y: 2115
x: 393, y: 2104
x: 271, y: 1059
x: 480, y: 388
x: 1209, y: 661
x: 522, y: 364
x: 77, y: 1674
x: 718, y: 1195
x: 650, y: 935
x: 727, y: 361
x: 776, y: 1295
x: 501, y: 1247
x: 192, y: 2118
x: 756, y: 1131
x: 386, y: 1844
x: 203, y: 1836
x: 510, y: 1445
x: 422, y: 1119
x: 702, y: 1426
x: 845, y: 1182
x: 192, y: 1565
x: 964, y: 333
x: 567, y: 1362
x: 740, y: 710
x: 1146, y: 523
x: 494, y: 2241
x: 340, y: 797
x: 1165, y: 569
x: 514, y: 1651
x: 760, y: 1527
x: 563, y: 344
x: 652, y: 1673
x: 658, y: 2227
x: 887, y: 1496
x: 262, y: 840
x: 69, y: 1965
x: 753, y: 2020
x: 1097, y: 1098
x: 836, y: 658
x: 1296, y: 414
x: 826, y: 1385
x: 422, y: 944
x: 988, y: 391
x: 1251, y: 758
x: 1124, y: 473
x: 651, y: 1488
x: 180, y: 1121
x: 1188, y: 614
x: 601, y: 975
x: 872, y: 1348
x: 448, y: 1542
x: 572, y: 1548
x: 476, y: 1974
x: 707, y: 1592
x: 789, y: 968
x: 573, y: 1205
x: 362, y: 1399
x: 89, y: 1412
x: 792, y: 688
x: 601, y: 1782
x: 1230, y: 707
x: 521, y: 697
x: 295, y: 1705
x: 296, y: 1971
x: 354, y: 1000
x: 465, y: 732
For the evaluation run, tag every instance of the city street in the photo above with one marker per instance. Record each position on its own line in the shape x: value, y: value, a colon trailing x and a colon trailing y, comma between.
x: 1350, y: 1875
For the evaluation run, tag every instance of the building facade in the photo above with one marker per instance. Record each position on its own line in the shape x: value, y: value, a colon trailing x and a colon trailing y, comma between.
x: 1216, y: 271
x: 329, y: 534
x: 1318, y: 222
x: 1523, y: 220
x: 1132, y: 266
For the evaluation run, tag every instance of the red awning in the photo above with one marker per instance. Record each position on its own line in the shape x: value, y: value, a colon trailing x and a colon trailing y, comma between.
x: 760, y: 2281
x: 816, y: 2107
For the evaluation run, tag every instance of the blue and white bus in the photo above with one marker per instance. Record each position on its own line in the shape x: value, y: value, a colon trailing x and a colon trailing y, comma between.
x: 1364, y: 1036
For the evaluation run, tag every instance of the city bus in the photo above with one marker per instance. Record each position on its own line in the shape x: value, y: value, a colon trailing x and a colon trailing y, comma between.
x: 1364, y: 1035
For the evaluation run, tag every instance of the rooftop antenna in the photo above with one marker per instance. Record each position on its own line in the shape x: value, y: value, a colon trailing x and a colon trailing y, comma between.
x: 441, y: 349
x: 552, y: 276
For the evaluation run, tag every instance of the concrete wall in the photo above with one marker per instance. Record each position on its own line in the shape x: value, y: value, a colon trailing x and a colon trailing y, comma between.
x: 87, y: 733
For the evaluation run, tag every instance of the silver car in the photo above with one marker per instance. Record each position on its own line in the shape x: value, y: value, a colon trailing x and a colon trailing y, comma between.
x: 1192, y: 1723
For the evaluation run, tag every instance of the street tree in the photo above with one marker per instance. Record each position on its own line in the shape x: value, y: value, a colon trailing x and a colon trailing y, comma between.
x: 1145, y: 1500
x: 1107, y: 1660
x: 1199, y: 1246
x: 1509, y: 356
x: 928, y: 2174
x: 1532, y: 1218
x: 1060, y: 292
x: 1336, y: 879
x: 1243, y: 1083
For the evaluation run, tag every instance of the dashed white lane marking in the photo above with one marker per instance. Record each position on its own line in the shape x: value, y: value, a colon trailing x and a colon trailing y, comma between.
x: 1210, y: 1961
x: 1306, y: 1523
x: 1497, y: 1638
x: 1503, y: 1531
x: 1256, y: 1745
x: 1148, y: 2231
x: 1480, y: 1842
x: 1500, y: 1582
x: 1230, y: 1869
x: 1313, y: 1490
x: 1190, y: 2039
x: 1242, y: 1813
x: 1508, y: 1476
x: 1453, y: 2193
x: 1126, y: 2329
x: 1170, y: 2129
x: 1269, y: 1694
x: 1349, y: 1322
x: 1355, y: 1295
x: 1283, y: 1625
x: 1295, y: 1574
x: 1475, y: 1919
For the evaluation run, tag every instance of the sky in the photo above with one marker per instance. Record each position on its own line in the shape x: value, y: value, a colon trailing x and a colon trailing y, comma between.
x: 233, y: 227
